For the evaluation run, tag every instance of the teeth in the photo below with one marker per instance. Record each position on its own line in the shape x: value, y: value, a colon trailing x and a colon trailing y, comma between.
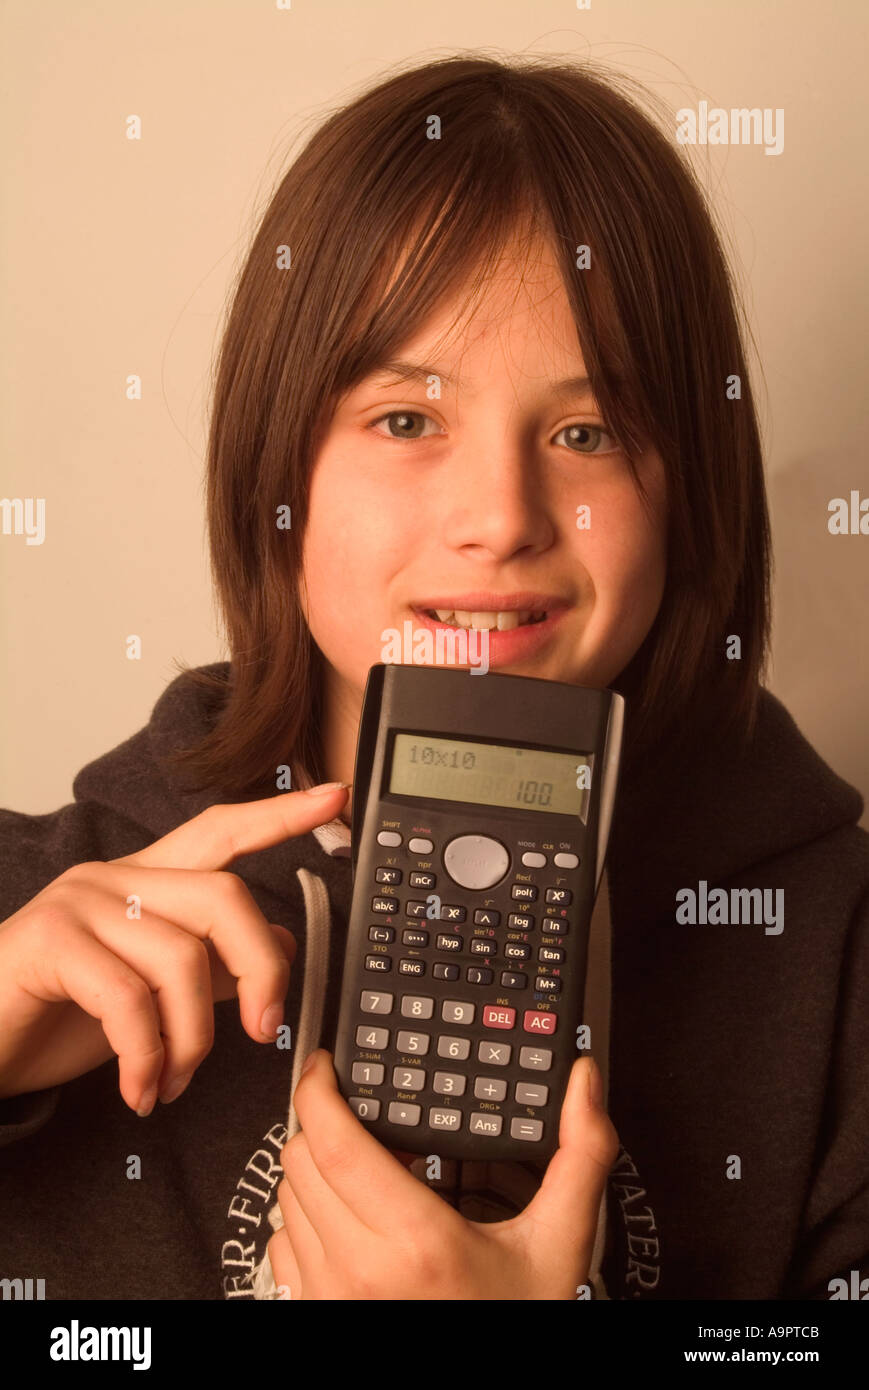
x: 504, y: 621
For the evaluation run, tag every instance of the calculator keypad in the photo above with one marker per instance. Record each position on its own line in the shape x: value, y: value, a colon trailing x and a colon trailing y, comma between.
x: 415, y: 1064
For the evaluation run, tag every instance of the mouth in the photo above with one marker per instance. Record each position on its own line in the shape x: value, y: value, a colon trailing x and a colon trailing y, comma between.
x: 520, y: 627
x: 488, y: 612
x: 501, y: 620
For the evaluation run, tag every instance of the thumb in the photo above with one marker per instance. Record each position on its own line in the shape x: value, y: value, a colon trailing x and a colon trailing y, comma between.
x: 565, y: 1210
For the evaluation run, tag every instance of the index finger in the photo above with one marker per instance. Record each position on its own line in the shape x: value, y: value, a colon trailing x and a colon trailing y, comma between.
x: 222, y: 833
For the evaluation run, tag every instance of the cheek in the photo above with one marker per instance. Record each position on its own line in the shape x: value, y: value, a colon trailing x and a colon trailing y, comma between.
x: 354, y: 528
x: 624, y: 558
x: 330, y: 540
x: 625, y: 552
x: 353, y: 544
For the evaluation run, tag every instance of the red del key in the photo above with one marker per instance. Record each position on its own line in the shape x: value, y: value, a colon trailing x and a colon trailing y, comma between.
x: 494, y: 1017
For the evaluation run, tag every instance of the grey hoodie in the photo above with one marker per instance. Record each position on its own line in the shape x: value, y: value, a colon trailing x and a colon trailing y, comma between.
x: 738, y: 1053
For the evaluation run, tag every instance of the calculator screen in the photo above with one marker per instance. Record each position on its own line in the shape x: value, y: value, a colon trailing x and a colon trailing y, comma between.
x: 490, y: 774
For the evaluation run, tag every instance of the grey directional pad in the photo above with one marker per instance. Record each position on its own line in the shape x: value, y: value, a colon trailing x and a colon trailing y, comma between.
x: 476, y: 861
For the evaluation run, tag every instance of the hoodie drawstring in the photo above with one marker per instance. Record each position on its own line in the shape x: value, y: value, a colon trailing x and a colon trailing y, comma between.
x: 314, y: 986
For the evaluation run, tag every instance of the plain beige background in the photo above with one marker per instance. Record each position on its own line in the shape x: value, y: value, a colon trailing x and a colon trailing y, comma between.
x: 118, y: 255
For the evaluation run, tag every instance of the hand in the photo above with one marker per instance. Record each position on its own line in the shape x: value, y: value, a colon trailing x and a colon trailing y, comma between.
x: 80, y: 980
x: 359, y: 1226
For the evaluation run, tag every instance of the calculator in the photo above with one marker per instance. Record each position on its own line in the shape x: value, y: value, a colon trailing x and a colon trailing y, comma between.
x: 481, y: 814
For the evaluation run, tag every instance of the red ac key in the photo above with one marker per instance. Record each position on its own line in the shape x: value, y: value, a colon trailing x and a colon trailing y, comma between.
x: 539, y: 1022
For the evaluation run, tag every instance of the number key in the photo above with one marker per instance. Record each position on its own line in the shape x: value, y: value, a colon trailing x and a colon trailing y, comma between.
x: 454, y: 1011
x: 416, y: 1006
x: 372, y: 1003
x: 448, y: 1083
x: 365, y: 1107
x: 408, y: 1078
x: 367, y: 1073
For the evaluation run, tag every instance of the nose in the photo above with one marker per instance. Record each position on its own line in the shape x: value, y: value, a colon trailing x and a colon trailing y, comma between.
x: 497, y: 505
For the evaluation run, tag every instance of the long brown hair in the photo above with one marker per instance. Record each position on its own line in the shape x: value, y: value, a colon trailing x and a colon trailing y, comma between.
x: 382, y: 222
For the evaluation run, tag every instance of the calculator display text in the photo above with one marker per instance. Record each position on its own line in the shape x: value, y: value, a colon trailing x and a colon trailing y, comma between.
x: 532, y: 779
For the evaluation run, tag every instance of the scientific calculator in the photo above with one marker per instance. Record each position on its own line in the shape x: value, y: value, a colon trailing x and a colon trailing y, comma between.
x: 481, y: 814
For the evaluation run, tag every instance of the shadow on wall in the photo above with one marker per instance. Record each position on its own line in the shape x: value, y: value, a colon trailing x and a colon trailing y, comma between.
x: 820, y: 653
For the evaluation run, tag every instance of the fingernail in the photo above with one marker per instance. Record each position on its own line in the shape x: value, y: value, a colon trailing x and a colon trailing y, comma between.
x: 271, y: 1021
x: 595, y: 1085
x: 173, y: 1092
x: 325, y: 787
x: 309, y: 1062
x: 146, y: 1104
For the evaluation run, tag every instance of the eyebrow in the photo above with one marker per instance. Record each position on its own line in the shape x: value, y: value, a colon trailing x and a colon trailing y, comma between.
x: 412, y: 371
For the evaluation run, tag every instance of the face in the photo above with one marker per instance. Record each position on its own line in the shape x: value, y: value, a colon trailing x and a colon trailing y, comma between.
x: 463, y: 493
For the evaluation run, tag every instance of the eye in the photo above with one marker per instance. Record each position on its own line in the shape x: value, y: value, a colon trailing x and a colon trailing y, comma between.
x: 406, y: 421
x: 580, y: 436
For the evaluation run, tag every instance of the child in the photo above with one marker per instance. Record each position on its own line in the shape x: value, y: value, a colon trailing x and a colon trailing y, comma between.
x: 402, y: 430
